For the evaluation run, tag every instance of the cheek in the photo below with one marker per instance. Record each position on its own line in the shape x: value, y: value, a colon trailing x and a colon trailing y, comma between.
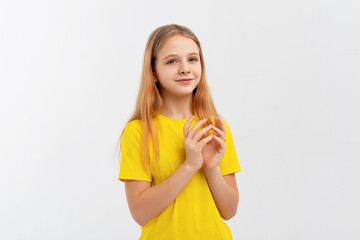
x: 198, y: 70
x: 161, y: 73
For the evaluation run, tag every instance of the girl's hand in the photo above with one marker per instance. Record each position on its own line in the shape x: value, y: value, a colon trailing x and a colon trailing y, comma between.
x: 194, y: 143
x: 215, y: 149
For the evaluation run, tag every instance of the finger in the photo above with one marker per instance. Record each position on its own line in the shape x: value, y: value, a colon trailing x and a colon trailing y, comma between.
x: 201, y: 133
x: 220, y: 124
x: 205, y: 140
x: 220, y: 141
x: 187, y: 126
x: 220, y: 133
x: 194, y: 129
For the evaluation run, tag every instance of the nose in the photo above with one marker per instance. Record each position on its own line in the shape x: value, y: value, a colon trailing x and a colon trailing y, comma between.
x: 184, y: 68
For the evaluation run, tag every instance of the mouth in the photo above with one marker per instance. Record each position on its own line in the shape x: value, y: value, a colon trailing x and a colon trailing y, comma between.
x: 184, y: 80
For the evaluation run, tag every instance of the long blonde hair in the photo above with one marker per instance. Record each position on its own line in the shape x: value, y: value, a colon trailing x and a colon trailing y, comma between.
x: 149, y: 99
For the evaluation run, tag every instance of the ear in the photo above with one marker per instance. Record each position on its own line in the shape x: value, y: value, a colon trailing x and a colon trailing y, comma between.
x: 155, y: 77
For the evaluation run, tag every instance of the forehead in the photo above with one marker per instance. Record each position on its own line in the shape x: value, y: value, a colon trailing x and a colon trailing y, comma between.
x: 178, y: 45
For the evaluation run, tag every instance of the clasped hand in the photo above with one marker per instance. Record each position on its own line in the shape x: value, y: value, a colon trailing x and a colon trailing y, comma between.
x: 203, y: 150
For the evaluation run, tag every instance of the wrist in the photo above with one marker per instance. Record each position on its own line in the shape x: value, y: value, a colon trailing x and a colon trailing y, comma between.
x: 191, y: 167
x: 211, y: 171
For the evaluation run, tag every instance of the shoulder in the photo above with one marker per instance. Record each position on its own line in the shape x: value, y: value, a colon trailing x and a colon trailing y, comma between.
x: 133, y: 126
x: 136, y: 123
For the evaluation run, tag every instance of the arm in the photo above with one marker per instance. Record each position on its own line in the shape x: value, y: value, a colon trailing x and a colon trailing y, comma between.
x: 224, y: 191
x: 146, y: 202
x: 223, y: 188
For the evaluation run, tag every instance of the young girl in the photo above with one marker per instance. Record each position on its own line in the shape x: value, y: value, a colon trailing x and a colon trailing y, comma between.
x: 177, y: 167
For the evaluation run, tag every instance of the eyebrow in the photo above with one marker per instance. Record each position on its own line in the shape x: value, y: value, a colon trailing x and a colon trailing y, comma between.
x: 174, y: 55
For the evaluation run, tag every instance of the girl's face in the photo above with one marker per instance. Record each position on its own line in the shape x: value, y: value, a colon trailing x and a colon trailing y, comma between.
x: 177, y: 66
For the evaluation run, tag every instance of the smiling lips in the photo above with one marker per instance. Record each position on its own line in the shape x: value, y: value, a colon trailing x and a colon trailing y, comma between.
x: 184, y: 80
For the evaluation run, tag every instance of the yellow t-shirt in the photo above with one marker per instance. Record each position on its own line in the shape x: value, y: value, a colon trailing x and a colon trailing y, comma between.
x: 193, y: 214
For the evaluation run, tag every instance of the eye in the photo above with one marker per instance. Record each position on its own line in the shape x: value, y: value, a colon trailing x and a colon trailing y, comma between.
x: 171, y: 61
x: 193, y: 59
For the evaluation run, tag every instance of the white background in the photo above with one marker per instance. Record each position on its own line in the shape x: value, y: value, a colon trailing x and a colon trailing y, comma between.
x: 284, y: 74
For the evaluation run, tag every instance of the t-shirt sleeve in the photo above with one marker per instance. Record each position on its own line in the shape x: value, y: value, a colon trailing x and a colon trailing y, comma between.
x: 229, y: 162
x: 132, y: 166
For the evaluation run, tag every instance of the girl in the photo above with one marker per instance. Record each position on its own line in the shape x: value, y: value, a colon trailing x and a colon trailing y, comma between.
x: 177, y: 168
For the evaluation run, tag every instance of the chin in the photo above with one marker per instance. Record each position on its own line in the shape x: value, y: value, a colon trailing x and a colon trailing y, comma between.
x: 183, y: 94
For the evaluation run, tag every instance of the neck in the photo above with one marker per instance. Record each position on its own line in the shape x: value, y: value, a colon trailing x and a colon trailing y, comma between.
x: 177, y: 107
